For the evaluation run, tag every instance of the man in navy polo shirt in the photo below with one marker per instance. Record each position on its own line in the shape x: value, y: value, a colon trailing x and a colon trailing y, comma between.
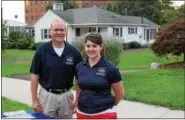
x: 53, y: 67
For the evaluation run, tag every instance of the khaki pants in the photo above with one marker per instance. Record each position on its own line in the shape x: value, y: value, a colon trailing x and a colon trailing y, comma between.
x: 56, y: 105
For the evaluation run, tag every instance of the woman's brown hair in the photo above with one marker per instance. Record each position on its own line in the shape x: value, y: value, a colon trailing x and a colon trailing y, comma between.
x: 97, y: 39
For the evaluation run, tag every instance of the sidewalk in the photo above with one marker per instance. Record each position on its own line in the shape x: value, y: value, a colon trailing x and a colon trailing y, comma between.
x: 20, y: 90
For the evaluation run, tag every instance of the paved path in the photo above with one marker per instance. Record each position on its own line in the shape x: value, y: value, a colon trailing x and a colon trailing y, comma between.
x: 27, y: 76
x: 20, y: 90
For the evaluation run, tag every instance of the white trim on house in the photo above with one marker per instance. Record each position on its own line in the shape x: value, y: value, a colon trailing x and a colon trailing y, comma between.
x: 108, y: 24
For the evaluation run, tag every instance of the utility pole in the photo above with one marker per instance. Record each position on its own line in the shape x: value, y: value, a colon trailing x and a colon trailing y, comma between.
x: 142, y: 12
x: 1, y: 16
x: 126, y: 11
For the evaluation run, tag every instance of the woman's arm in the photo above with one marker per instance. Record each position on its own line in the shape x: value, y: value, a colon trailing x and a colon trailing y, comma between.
x: 118, y: 91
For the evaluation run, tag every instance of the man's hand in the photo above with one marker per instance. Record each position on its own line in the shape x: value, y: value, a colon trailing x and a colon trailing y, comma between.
x: 36, y: 106
x: 74, y: 107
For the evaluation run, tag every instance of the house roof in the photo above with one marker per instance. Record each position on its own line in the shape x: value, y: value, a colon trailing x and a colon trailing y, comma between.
x: 97, y: 15
x: 29, y: 25
x: 13, y: 23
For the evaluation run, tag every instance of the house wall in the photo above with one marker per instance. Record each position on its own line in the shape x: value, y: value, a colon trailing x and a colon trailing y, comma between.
x: 126, y: 37
x: 70, y: 34
x: 132, y: 37
x: 84, y: 30
x: 44, y: 23
x: 107, y: 33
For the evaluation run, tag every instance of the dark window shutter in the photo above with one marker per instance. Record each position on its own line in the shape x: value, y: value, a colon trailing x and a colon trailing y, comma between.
x: 89, y: 29
x: 136, y: 30
x: 77, y: 31
x: 42, y: 34
x: 121, y: 32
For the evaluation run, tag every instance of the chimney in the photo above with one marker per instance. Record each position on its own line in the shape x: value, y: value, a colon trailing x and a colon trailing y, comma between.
x: 15, y: 16
x: 58, y: 6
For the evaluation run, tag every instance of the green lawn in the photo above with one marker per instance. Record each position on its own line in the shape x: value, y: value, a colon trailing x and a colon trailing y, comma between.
x: 16, y: 62
x: 17, y: 54
x: 157, y: 87
x: 11, y: 105
x: 142, y: 59
x: 15, y: 68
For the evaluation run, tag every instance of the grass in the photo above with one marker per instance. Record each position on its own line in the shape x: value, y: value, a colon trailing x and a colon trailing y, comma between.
x: 143, y: 59
x: 157, y: 87
x: 11, y: 105
x: 15, y: 68
x: 17, y: 54
x: 14, y: 63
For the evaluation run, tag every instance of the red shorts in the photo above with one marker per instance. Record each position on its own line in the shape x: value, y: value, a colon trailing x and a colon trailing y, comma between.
x: 110, y: 115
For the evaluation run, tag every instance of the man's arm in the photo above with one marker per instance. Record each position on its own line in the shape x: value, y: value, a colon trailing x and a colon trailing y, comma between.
x: 35, y: 71
x: 34, y: 86
x: 77, y: 96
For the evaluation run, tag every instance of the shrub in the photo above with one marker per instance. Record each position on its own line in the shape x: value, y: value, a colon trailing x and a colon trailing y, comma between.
x: 9, y: 44
x: 16, y: 35
x: 23, y: 43
x: 126, y: 46
x: 134, y: 45
x: 34, y: 46
x: 113, y: 49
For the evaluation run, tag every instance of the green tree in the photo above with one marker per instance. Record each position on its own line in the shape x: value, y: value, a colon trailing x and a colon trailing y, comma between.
x: 84, y: 5
x: 66, y: 4
x: 169, y: 16
x: 49, y: 7
x: 168, y: 12
x: 181, y: 11
x: 69, y: 4
x: 170, y: 39
x: 109, y: 7
x: 3, y: 36
x: 151, y: 9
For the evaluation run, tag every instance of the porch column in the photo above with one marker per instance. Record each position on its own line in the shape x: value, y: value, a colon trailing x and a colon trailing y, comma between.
x: 96, y: 29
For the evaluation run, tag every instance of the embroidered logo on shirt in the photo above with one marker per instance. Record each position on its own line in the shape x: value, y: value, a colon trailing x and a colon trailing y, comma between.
x: 101, y: 72
x: 69, y: 61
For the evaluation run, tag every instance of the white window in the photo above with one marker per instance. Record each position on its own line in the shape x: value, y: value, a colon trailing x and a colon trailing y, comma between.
x: 117, y: 31
x: 77, y: 31
x: 45, y: 34
x: 93, y: 29
x: 152, y: 33
x: 132, y: 30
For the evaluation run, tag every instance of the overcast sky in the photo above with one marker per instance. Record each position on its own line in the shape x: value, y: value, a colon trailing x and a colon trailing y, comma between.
x: 12, y: 8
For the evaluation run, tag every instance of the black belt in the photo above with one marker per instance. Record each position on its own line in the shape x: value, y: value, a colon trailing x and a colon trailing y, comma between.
x: 57, y: 91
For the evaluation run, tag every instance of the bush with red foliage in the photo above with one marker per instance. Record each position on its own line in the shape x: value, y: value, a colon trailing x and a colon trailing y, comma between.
x: 171, y: 39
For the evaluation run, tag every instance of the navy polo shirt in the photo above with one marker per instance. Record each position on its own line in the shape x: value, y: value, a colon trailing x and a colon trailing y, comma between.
x: 55, y: 72
x: 95, y: 84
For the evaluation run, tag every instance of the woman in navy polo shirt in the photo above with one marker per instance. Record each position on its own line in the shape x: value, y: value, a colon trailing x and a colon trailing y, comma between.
x: 95, y: 77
